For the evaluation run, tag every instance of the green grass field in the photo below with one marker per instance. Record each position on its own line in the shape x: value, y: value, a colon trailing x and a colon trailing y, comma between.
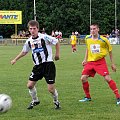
x: 13, y: 80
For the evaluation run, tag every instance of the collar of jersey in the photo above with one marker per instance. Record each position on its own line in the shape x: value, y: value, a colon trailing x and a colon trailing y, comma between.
x: 35, y: 37
x: 98, y: 37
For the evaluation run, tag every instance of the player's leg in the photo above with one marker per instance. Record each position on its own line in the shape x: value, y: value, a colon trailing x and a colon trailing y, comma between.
x: 50, y: 74
x: 54, y: 93
x: 85, y: 84
x: 32, y: 90
x: 74, y: 49
x: 88, y: 71
x: 113, y: 87
x: 102, y: 69
x: 35, y: 75
x: 33, y: 94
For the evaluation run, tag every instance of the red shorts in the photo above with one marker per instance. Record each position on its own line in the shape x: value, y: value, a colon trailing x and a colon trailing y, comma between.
x: 74, y: 46
x: 99, y: 66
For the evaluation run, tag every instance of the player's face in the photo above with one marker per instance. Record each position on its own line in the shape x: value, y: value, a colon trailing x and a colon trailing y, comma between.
x: 73, y: 33
x: 33, y: 30
x: 94, y: 30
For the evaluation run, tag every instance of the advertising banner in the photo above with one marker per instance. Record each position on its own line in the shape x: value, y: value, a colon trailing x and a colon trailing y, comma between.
x: 10, y: 17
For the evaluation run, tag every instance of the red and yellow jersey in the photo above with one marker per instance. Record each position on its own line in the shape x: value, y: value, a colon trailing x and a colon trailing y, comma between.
x: 73, y: 39
x: 97, y: 49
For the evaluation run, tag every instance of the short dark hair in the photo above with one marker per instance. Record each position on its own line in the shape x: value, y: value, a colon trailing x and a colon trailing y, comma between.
x: 95, y: 24
x: 33, y: 23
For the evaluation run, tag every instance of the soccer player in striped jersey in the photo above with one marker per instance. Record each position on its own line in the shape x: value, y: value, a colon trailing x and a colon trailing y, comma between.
x: 94, y: 62
x: 41, y: 47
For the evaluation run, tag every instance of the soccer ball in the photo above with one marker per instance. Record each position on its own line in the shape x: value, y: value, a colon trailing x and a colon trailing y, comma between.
x: 5, y: 103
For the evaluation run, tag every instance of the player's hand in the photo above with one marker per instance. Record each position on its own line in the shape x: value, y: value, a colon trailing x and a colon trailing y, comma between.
x: 113, y: 66
x: 84, y: 62
x: 13, y: 62
x: 57, y: 58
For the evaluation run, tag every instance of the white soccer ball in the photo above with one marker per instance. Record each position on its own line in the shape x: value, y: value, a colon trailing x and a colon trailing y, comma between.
x: 5, y: 103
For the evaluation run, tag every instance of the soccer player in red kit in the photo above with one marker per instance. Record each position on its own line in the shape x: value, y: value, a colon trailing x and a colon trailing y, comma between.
x: 94, y: 62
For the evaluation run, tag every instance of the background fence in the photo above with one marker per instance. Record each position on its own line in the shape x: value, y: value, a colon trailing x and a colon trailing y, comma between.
x: 64, y: 41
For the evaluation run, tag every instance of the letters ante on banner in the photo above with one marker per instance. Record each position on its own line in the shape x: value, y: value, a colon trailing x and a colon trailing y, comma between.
x: 10, y: 17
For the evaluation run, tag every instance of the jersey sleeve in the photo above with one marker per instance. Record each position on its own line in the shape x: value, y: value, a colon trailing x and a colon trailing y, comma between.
x: 108, y: 44
x: 86, y: 37
x: 51, y: 39
x: 26, y: 47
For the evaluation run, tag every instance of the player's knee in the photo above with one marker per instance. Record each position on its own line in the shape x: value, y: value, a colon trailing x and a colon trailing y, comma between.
x: 83, y: 78
x: 30, y: 86
x: 51, y: 89
x: 107, y: 78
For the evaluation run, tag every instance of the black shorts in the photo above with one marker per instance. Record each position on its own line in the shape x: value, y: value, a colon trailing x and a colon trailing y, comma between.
x: 46, y: 70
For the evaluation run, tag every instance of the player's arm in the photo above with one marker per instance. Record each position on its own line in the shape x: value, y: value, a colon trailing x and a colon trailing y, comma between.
x: 113, y: 66
x: 85, y: 58
x: 55, y: 42
x: 57, y: 54
x: 84, y: 62
x: 20, y: 55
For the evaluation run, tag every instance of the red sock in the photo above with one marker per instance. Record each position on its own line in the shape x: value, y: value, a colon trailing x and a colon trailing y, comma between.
x: 74, y: 49
x: 86, y: 89
x: 114, y: 88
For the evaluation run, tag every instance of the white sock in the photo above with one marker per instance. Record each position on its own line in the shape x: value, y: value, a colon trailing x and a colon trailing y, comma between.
x: 33, y: 94
x: 55, y: 95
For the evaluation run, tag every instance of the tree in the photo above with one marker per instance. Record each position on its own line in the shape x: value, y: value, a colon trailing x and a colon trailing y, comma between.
x: 64, y: 15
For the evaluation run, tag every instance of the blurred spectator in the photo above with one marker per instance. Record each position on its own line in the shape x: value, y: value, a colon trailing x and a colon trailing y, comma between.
x: 1, y: 37
x: 56, y: 33
x: 116, y: 32
x: 20, y: 33
x: 27, y: 34
x: 107, y: 36
x: 53, y: 33
x: 76, y: 33
x: 113, y: 33
x: 43, y: 31
x: 23, y: 33
x: 60, y: 34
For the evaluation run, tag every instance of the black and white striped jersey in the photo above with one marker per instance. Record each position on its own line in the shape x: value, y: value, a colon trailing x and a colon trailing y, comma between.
x: 41, y: 48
